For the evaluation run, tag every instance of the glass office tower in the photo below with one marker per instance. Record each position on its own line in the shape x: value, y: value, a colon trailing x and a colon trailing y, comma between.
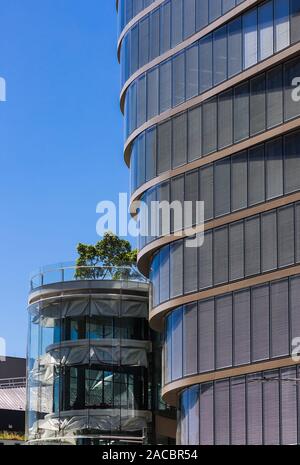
x: 89, y: 356
x: 211, y: 102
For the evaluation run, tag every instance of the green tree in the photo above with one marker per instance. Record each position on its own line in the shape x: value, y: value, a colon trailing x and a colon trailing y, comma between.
x: 110, y: 257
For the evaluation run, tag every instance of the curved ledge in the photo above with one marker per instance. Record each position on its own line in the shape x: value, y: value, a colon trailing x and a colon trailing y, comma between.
x: 106, y: 342
x: 144, y: 256
x: 134, y: 20
x: 287, y: 53
x: 171, y: 391
x: 236, y: 11
x: 231, y: 150
x: 158, y: 313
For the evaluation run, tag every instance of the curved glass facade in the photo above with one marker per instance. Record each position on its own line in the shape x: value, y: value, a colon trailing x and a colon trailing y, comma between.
x: 88, y: 357
x: 239, y: 113
x: 128, y: 9
x: 236, y: 46
x: 260, y: 408
x: 165, y: 27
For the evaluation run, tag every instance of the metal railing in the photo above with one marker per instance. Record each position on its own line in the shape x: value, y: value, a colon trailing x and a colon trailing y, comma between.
x: 65, y: 272
x: 6, y: 383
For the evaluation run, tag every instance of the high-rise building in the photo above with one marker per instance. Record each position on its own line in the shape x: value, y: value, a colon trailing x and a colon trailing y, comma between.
x: 211, y: 102
x: 91, y: 359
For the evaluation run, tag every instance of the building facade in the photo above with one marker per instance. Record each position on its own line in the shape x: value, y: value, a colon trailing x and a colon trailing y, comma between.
x: 91, y: 358
x: 211, y: 103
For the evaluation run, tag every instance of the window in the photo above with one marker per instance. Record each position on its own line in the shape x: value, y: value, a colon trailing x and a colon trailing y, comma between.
x: 179, y: 140
x: 274, y: 169
x: 295, y: 20
x: 257, y: 105
x: 288, y: 403
x: 269, y: 241
x: 141, y: 159
x: 165, y: 27
x: 150, y: 153
x: 266, y: 33
x: 177, y: 194
x: 220, y: 55
x: 134, y: 50
x: 144, y: 41
x: 238, y: 411
x: 206, y: 414
x: 205, y: 63
x: 250, y: 38
x: 271, y: 408
x: 286, y: 236
x: 141, y: 101
x: 132, y: 96
x: 241, y: 325
x: 225, y: 119
x: 155, y: 280
x: 165, y: 96
x: 254, y: 409
x: 282, y: 24
x: 190, y: 268
x: 239, y: 181
x: 178, y: 88
x: 260, y: 323
x: 154, y: 34
x: 291, y: 106
x: 189, y: 13
x: 291, y: 163
x: 209, y: 126
x: 222, y: 187
x: 228, y: 5
x: 215, y: 9
x: 176, y: 268
x: 194, y: 134
x: 207, y: 190
x: 164, y: 147
x: 241, y: 112
x: 177, y: 344
x: 191, y: 195
x: 168, y: 349
x: 205, y: 262
x: 236, y: 250
x: 222, y: 412
x: 201, y: 14
x: 220, y: 255
x: 224, y: 331
x: 206, y: 336
x: 274, y: 97
x: 279, y: 319
x: 252, y: 246
x: 192, y: 68
x: 294, y: 306
x: 164, y: 278
x: 152, y: 93
x: 256, y: 175
x: 234, y: 47
x: 190, y: 326
x: 176, y: 27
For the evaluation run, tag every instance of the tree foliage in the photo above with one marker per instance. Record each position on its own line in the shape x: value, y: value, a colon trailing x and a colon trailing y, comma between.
x: 105, y: 258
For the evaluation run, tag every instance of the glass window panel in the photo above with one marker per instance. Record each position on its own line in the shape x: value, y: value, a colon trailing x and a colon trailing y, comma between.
x: 220, y: 55
x: 274, y: 97
x: 132, y: 100
x: 206, y: 414
x: 223, y: 332
x: 141, y: 159
x: 288, y: 404
x: 257, y: 104
x: 176, y: 27
x: 294, y: 306
x: 190, y: 325
x: 241, y: 112
x: 178, y: 88
x: 220, y: 255
x: 151, y: 153
x: 164, y: 147
x: 260, y: 314
x: 256, y: 173
x: 254, y: 409
x: 228, y: 5
x: 206, y: 338
x: 209, y: 126
x: 164, y: 275
x: 194, y: 134
x: 176, y: 268
x: 207, y: 190
x: 141, y: 101
x: 184, y: 418
x: 297, y: 232
x: 252, y: 246
x: 194, y: 415
x: 165, y: 95
x: 295, y: 20
x: 215, y: 9
x: 189, y: 17
x: 201, y: 14
x: 192, y: 70
x: 269, y: 241
x: 250, y: 38
x: 222, y: 415
x: 165, y: 27
x: 134, y: 50
x: 205, y: 262
x: 282, y: 24
x: 190, y: 268
x: 271, y: 408
x: 155, y: 280
x: 238, y: 411
x: 274, y: 169
x: 168, y: 350
x: 154, y: 34
x: 266, y: 33
x: 236, y: 250
x: 239, y: 181
x: 177, y: 344
x: 286, y: 250
x: 234, y: 47
x: 163, y: 195
x: 291, y: 105
x: 291, y: 162
x: 225, y: 119
x: 177, y: 194
x: 241, y: 327
x: 179, y: 140
x: 152, y: 93
x: 144, y: 41
x: 205, y: 63
x: 192, y: 195
x: 279, y: 318
x: 222, y: 187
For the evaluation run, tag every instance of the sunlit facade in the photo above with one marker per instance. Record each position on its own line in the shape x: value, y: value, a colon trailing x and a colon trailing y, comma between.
x: 210, y: 96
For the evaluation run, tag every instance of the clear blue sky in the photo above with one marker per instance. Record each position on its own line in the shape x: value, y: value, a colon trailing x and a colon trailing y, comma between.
x: 60, y: 139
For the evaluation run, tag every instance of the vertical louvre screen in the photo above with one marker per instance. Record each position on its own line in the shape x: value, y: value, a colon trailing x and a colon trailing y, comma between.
x: 190, y: 350
x: 280, y: 318
x: 260, y: 323
x: 177, y: 195
x: 269, y: 241
x: 206, y: 331
x: 191, y: 195
x: 241, y: 325
x: 152, y: 93
x: 150, y: 153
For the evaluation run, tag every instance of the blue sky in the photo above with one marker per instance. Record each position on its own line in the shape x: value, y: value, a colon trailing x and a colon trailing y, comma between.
x: 60, y: 139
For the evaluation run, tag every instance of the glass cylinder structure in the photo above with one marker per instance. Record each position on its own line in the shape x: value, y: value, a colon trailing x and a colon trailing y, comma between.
x: 89, y: 351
